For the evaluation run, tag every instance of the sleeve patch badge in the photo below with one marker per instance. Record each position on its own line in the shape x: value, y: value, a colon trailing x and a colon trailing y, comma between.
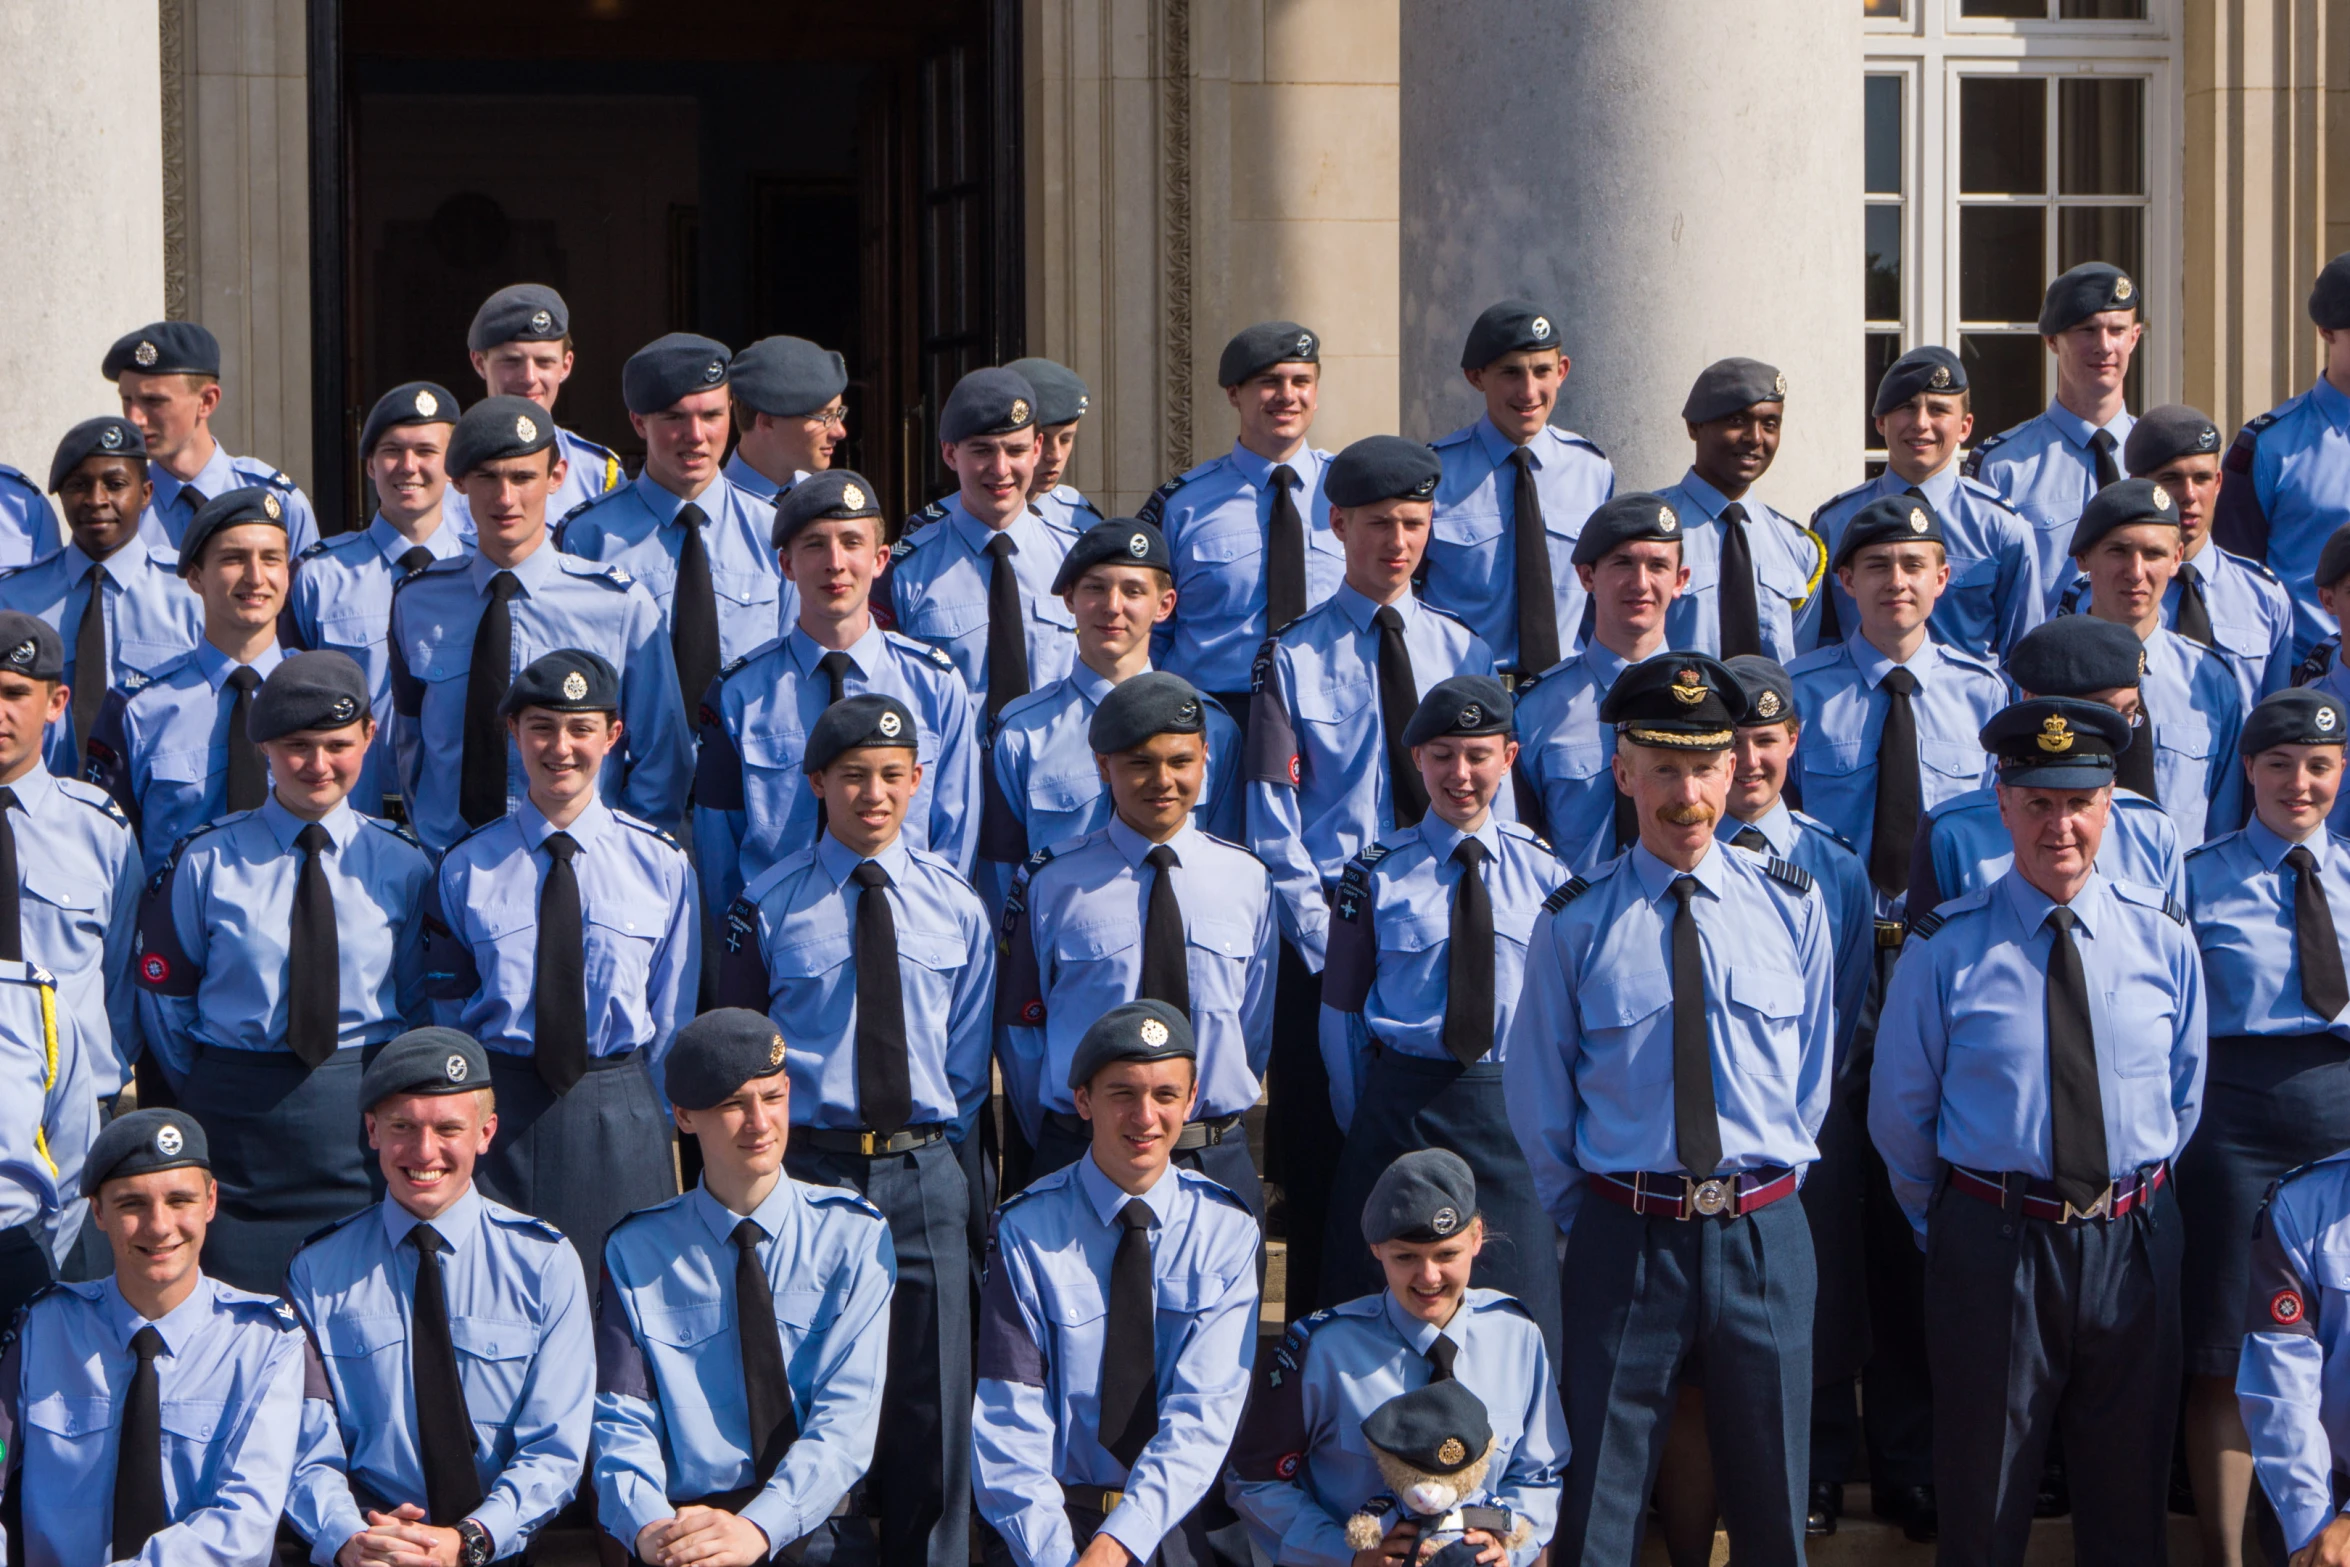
x: 2285, y: 1308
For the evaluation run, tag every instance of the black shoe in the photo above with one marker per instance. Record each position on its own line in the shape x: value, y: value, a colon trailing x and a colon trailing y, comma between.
x: 1827, y: 1502
x: 1910, y: 1506
x: 2054, y: 1498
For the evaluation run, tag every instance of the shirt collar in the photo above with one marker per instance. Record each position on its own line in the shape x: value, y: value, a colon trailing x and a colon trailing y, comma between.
x: 530, y: 571
x: 1416, y: 1332
x: 2078, y: 430
x: 139, y: 547
x: 590, y: 825
x: 1107, y: 1197
x: 34, y: 790
x: 1875, y: 664
x: 865, y: 652
x: 1258, y: 471
x: 839, y: 860
x: 216, y: 665
x: 1090, y: 683
x: 1358, y: 609
x: 1656, y: 876
x: 773, y: 1215
x: 341, y: 823
x: 1497, y: 446
x: 1133, y: 845
x: 1709, y: 500
x: 1443, y: 838
x: 974, y: 534
x: 1778, y: 825
x: 2030, y: 905
x: 455, y: 1227
x: 177, y: 1326
x: 748, y: 478
x: 2270, y: 849
x: 1941, y: 489
x: 665, y: 503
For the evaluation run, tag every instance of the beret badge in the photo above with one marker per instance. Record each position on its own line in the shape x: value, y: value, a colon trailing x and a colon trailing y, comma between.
x: 1940, y: 380
x: 775, y: 1051
x: 1445, y: 1220
x: 1138, y: 546
x: 2324, y: 717
x: 2055, y: 736
x: 2123, y: 288
x: 574, y: 685
x: 2161, y: 498
x: 540, y: 321
x: 1688, y: 686
x: 426, y: 404
x: 1767, y: 705
x: 1305, y: 342
x: 525, y: 428
x: 1666, y: 522
x: 1917, y: 519
x: 111, y: 437
x: 1540, y: 326
x: 343, y: 710
x: 21, y: 654
x: 2207, y: 439
x: 1187, y: 711
x: 1019, y: 410
x: 1779, y: 382
x: 145, y: 353
x: 168, y: 1141
x: 1154, y: 1032
x: 888, y: 724
x: 455, y: 1067
x: 1472, y: 714
x: 852, y: 497
x: 711, y: 372
x: 1452, y: 1452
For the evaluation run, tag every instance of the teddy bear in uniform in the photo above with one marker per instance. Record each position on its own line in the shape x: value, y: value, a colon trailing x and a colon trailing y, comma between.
x: 1432, y: 1446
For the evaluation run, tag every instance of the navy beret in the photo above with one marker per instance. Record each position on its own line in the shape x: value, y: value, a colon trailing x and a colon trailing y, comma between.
x: 855, y: 722
x: 2297, y: 715
x: 108, y: 435
x: 497, y: 428
x: 2164, y: 435
x: 1133, y: 1031
x: 1683, y: 701
x: 714, y: 1055
x: 1121, y: 541
x: 1461, y: 706
x: 785, y: 376
x: 1889, y: 519
x: 1728, y: 386
x: 1382, y: 468
x: 993, y: 401
x: 568, y: 680
x: 1930, y: 368
x: 1256, y: 349
x: 141, y: 1143
x: 425, y: 1061
x: 164, y: 348
x: 228, y: 509
x: 411, y: 402
x: 1506, y: 328
x: 519, y: 313
x: 2056, y: 742
x: 1438, y: 1428
x: 672, y: 367
x: 1151, y: 703
x: 2120, y: 505
x: 2083, y: 291
x: 836, y: 494
x: 1624, y: 519
x: 315, y: 690
x: 2075, y: 655
x: 1770, y: 694
x: 30, y: 646
x: 2329, y: 296
x: 1061, y: 398
x: 2333, y: 557
x: 1428, y: 1194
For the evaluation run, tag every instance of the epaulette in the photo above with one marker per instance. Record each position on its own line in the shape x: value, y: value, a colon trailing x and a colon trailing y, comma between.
x: 1584, y: 441
x: 1834, y: 500
x: 23, y: 1313
x: 1791, y: 874
x: 592, y: 500
x: 909, y: 534
x: 929, y: 650
x: 471, y: 833
x: 133, y: 682
x: 26, y: 973
x: 1988, y: 492
x: 649, y: 1208
x: 1521, y: 830
x: 8, y: 471
x: 332, y: 1225
x: 1821, y: 658
x: 179, y: 849
x: 2258, y: 422
x: 1214, y: 1188
x: 1562, y: 896
x: 1522, y: 684
x: 1814, y: 824
x: 648, y: 829
x: 399, y: 830
x: 2151, y: 898
x: 270, y: 1309
x: 320, y: 548
x: 2313, y: 668
x: 279, y: 481
x: 526, y: 1223
x: 1444, y: 442
x: 1974, y: 660
x: 594, y: 570
x: 2210, y: 844
x: 842, y: 1197
x: 1261, y: 669
x: 1354, y: 883
x: 92, y: 796
x: 1289, y: 1356
x: 1923, y: 925
x: 735, y: 668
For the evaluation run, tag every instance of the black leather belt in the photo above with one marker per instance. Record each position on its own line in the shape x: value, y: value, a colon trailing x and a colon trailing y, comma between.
x: 871, y: 1145
x: 1094, y: 1500
x: 1195, y: 1134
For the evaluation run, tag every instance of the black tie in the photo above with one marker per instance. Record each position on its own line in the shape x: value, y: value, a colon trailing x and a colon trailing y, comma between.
x: 1166, y: 972
x: 558, y: 990
x: 1741, y: 620
x: 766, y: 1387
x: 2077, y: 1110
x: 2102, y: 443
x: 1441, y: 1353
x: 693, y: 612
x: 91, y: 671
x: 2194, y: 617
x: 2316, y: 948
x: 1538, y: 624
x: 2134, y: 768
x: 1007, y: 636
x: 1399, y: 698
x: 314, y: 970
x: 481, y: 789
x: 1130, y: 1343
x: 139, y: 1511
x: 1897, y: 787
x: 1468, y: 991
x: 248, y: 779
x: 885, y: 1089
x: 1285, y: 553
x: 1697, y: 1125
x: 834, y: 667
x: 414, y: 559
x: 11, y: 889
x: 1751, y: 838
x: 444, y: 1430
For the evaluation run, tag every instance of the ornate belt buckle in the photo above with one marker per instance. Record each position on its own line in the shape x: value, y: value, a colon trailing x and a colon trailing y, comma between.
x: 1710, y: 1198
x: 2102, y: 1208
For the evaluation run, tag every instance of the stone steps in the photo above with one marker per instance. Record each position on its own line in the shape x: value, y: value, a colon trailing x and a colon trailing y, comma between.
x: 1861, y: 1540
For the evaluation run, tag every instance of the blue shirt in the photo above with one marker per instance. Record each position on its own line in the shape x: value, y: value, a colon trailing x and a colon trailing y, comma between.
x: 2197, y: 708
x: 2046, y: 469
x: 160, y: 746
x: 752, y: 802
x: 1317, y: 750
x: 637, y: 526
x: 2293, y: 1383
x: 1471, y: 569
x: 937, y: 586
x: 215, y: 939
x: 589, y: 471
x: 1964, y: 847
x: 151, y: 618
x: 2286, y: 488
x: 1216, y: 517
x: 28, y: 523
x: 1995, y: 593
x: 230, y: 1385
x: 791, y: 952
x: 1065, y: 506
x: 750, y: 480
x: 51, y: 1076
x: 1390, y: 959
x: 564, y: 602
x: 1564, y: 751
x: 1301, y: 1467
x: 1813, y: 846
x: 518, y: 1315
x: 78, y: 876
x: 672, y: 1422
x: 1790, y: 562
x: 1073, y: 949
x: 2251, y: 618
x: 1042, y: 1316
x: 174, y: 503
x: 2240, y: 897
x: 1590, y: 1065
x: 1961, y: 1072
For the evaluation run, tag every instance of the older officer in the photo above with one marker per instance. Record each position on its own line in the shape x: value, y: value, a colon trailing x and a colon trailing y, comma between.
x: 1061, y: 400
x: 462, y: 629
x: 752, y: 803
x: 788, y: 414
x: 520, y: 346
x: 2290, y: 1383
x: 342, y: 593
x: 168, y: 373
x: 741, y: 1334
x: 1753, y: 570
x: 2287, y: 476
x: 1249, y: 531
x: 1117, y: 1323
x: 276, y: 946
x: 159, y: 1346
x: 453, y: 1334
x: 565, y: 938
x: 697, y: 544
x: 1924, y: 412
x: 2039, y: 1064
x: 875, y: 960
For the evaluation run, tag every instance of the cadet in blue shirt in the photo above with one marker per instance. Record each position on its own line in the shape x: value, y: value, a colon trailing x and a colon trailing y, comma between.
x: 788, y: 415
x: 697, y: 543
x: 1061, y: 400
x: 54, y: 1071
x: 741, y: 1335
x: 565, y: 937
x: 28, y: 523
x: 2324, y: 669
x: 1117, y: 1324
x: 150, y: 1416
x: 520, y: 345
x: 2028, y: 1095
x: 1672, y: 1055
x: 1751, y: 569
x: 885, y: 1001
x: 752, y: 803
x: 342, y: 593
x: 1426, y: 956
x: 463, y: 629
x: 2287, y: 476
x: 1923, y: 411
x: 275, y: 947
x: 2290, y: 1384
x: 452, y: 1336
x: 1299, y: 1470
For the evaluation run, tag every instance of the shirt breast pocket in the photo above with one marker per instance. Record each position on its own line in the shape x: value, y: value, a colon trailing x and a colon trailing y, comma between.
x: 2331, y: 1270
x: 1766, y: 1009
x: 1331, y: 704
x: 1409, y: 935
x: 930, y: 961
x: 352, y: 634
x: 1979, y: 575
x: 145, y: 654
x: 181, y: 768
x: 1217, y: 955
x: 746, y: 587
x: 189, y: 1425
x: 1227, y: 545
x: 1578, y: 760
x: 805, y: 956
x: 1050, y: 611
x: 2142, y: 1027
x: 1959, y: 766
x: 934, y: 620
x: 680, y: 1338
x: 74, y: 1425
x: 1471, y: 526
x: 620, y: 954
x: 1064, y: 794
x: 774, y: 753
x: 2186, y: 738
x: 73, y: 904
x: 494, y: 1365
x: 803, y: 1314
x: 1111, y: 941
x: 1624, y: 1027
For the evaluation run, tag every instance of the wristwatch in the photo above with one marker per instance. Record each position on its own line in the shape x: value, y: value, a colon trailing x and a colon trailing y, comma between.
x: 474, y: 1544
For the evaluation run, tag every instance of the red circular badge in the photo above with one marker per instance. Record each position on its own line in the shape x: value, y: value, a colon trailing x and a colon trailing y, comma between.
x: 1293, y: 773
x: 154, y: 969
x: 2284, y: 1308
x: 1032, y: 1012
x: 1287, y: 1467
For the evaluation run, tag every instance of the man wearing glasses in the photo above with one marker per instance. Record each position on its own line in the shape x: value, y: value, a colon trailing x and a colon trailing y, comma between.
x: 788, y: 413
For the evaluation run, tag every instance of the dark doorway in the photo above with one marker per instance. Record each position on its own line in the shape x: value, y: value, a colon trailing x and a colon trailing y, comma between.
x: 738, y: 168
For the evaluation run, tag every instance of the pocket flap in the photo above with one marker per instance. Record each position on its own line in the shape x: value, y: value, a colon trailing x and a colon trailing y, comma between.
x: 1228, y: 938
x: 1765, y: 991
x: 1059, y: 792
x: 192, y: 766
x: 817, y: 954
x: 70, y: 1416
x: 682, y: 1327
x: 344, y: 1334
x: 800, y: 1308
x: 491, y: 1338
x: 504, y: 919
x: 2331, y: 1269
x: 1228, y: 545
x: 44, y: 883
x: 1620, y: 1000
x: 1414, y: 933
x: 780, y: 749
x: 626, y: 922
x: 1322, y: 702
x: 1052, y: 612
x: 193, y: 1419
x: 933, y: 949
x: 951, y: 621
x: 1980, y: 573
x: 1467, y: 525
x: 1585, y: 759
x: 746, y: 587
x: 1075, y: 1301
x: 2187, y: 736
x: 1092, y: 943
x: 1952, y: 759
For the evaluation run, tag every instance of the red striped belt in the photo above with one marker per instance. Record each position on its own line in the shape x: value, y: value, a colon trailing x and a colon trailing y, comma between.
x: 2041, y: 1202
x: 1685, y: 1197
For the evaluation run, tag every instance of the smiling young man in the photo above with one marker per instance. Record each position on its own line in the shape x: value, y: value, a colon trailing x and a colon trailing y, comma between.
x: 520, y: 345
x: 1061, y: 401
x: 438, y: 1318
x: 789, y: 420
x: 1117, y: 1323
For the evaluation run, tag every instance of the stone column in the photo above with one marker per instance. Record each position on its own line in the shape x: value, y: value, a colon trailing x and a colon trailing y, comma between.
x: 1680, y: 179
x: 82, y: 247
